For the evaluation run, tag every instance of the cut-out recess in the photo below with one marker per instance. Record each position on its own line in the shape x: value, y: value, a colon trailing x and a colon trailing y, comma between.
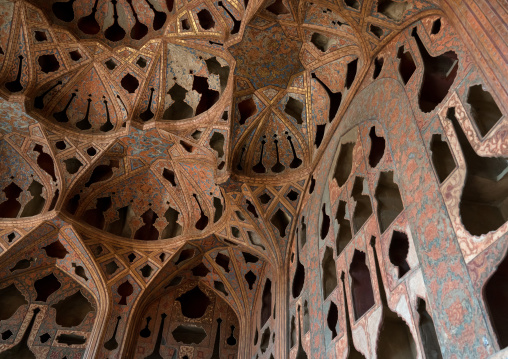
x: 217, y: 143
x: 352, y: 352
x: 320, y: 41
x: 300, y: 353
x: 407, y: 65
x: 399, y: 248
x: 352, y: 68
x: 436, y: 27
x: 250, y: 278
x: 71, y: 311
x: 332, y: 319
x: 483, y: 109
x: 427, y: 331
x: 185, y: 255
x: 249, y: 258
x: 6, y: 335
x: 320, y: 133
x: 265, y: 340
x: 299, y: 276
x: 344, y: 235
x: 46, y: 286
x: 278, y: 8
x: 22, y: 264
x: 306, y: 317
x: 439, y: 73
x: 484, y: 202
x: 292, y: 331
x: 393, y: 10
x: 335, y: 98
x: 223, y: 261
x: 48, y: 63
x: 194, y: 303
x: 376, y: 31
x: 442, y: 157
x: 389, y: 201
x: 377, y: 148
x: 378, y: 66
x: 71, y: 339
x: 303, y: 232
x: 56, y: 250
x: 281, y: 221
x: 125, y: 290
x: 10, y: 301
x: 188, y: 334
x: 355, y: 4
x: 393, y: 328
x: 200, y: 270
x: 247, y: 108
x: 36, y: 204
x: 329, y: 276
x: 361, y: 285
x: 325, y: 222
x: 294, y: 108
x: 344, y: 163
x: 205, y: 19
x: 266, y: 305
x: 363, y: 207
x: 231, y: 340
x: 11, y: 206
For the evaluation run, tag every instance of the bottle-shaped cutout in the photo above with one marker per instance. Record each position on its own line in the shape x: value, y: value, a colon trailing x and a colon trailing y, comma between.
x: 299, y: 277
x: 145, y: 332
x: 296, y: 162
x: 112, y: 344
x: 139, y: 30
x: 147, y: 115
x: 259, y: 167
x: 61, y: 116
x: 64, y: 10
x: 115, y: 32
x: 216, y: 345
x: 394, y: 339
x: 352, y: 352
x: 278, y: 166
x: 335, y: 98
x: 22, y: 264
x: 22, y: 350
x: 156, y: 349
x: 203, y: 219
x: 39, y: 100
x: 300, y: 353
x: 85, y: 124
x: 16, y: 86
x: 231, y: 340
x: 88, y: 24
x: 159, y: 17
x: 236, y: 23
x: 108, y: 126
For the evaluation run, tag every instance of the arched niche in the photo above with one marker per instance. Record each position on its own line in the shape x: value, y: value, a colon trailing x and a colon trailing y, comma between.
x: 65, y: 284
x: 51, y: 306
x: 187, y: 318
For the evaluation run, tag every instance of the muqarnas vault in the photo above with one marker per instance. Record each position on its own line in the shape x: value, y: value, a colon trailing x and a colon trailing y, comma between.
x: 253, y: 179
